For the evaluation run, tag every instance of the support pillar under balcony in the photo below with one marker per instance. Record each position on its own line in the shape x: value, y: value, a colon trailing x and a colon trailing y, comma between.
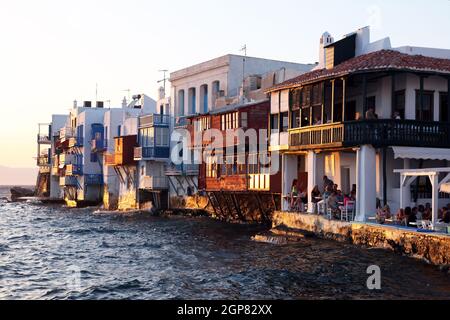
x: 311, y: 163
x: 366, y: 202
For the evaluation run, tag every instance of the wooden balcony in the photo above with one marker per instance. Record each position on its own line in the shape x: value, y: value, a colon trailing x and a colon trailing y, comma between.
x: 379, y: 133
x: 154, y: 183
x: 110, y: 159
x: 329, y: 135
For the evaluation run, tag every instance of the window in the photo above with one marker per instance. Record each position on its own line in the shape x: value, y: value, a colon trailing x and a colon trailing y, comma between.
x: 444, y: 112
x: 284, y: 121
x: 181, y: 103
x: 295, y: 119
x: 244, y: 120
x: 399, y: 103
x: 106, y: 137
x: 94, y: 157
x: 425, y: 113
x: 274, y: 123
x: 229, y: 121
x: 295, y: 98
x: 162, y: 137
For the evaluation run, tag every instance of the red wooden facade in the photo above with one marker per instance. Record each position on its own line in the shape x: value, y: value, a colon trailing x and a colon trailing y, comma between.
x: 232, y: 175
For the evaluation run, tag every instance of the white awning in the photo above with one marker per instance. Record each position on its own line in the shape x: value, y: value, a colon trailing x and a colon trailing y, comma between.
x: 421, y: 153
x: 445, y: 188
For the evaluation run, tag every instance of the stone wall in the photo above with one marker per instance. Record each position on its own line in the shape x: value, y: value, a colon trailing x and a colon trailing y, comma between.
x: 433, y: 248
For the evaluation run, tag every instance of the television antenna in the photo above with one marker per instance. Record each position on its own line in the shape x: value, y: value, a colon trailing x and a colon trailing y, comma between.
x: 164, y: 79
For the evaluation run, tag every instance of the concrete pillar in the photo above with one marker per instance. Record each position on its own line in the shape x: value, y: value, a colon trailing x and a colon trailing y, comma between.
x: 435, y: 198
x: 289, y: 167
x: 366, y: 188
x: 311, y: 168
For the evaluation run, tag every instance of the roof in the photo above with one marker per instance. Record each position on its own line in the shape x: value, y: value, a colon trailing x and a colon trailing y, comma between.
x: 382, y: 60
x: 229, y: 108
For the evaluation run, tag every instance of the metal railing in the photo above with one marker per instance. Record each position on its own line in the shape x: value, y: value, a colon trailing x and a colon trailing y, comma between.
x: 379, y: 133
x: 154, y: 119
x: 93, y: 179
x: 409, y: 133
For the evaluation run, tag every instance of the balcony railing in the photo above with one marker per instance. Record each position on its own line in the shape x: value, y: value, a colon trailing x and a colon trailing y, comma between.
x: 154, y: 120
x: 98, y: 145
x: 43, y: 139
x: 183, y: 169
x: 379, y: 133
x: 154, y: 183
x: 259, y: 182
x: 93, y: 179
x: 76, y: 142
x: 408, y: 133
x: 43, y: 161
x: 68, y: 181
x: 66, y: 159
x: 74, y: 170
x: 329, y: 134
x: 110, y: 159
x: 143, y: 153
x: 180, y: 122
x: 66, y: 133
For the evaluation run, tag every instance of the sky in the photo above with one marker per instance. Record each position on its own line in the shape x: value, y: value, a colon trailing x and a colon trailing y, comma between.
x: 55, y: 51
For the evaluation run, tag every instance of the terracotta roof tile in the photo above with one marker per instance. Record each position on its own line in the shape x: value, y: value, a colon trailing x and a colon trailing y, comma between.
x: 379, y: 60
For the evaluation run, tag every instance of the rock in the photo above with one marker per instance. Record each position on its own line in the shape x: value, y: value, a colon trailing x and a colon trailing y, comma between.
x: 18, y: 192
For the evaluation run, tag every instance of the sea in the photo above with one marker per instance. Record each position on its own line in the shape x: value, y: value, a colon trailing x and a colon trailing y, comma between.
x: 56, y: 253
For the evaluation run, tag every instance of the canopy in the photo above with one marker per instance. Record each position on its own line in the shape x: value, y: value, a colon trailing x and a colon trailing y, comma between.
x: 421, y: 153
x: 445, y: 188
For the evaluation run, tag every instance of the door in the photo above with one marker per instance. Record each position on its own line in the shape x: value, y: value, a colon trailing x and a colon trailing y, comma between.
x: 345, y: 180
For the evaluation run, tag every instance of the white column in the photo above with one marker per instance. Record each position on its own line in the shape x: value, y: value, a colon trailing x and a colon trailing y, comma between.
x: 435, y: 198
x: 311, y: 164
x: 366, y: 197
x: 289, y: 167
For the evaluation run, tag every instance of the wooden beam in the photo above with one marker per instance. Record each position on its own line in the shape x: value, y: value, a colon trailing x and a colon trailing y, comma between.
x: 385, y: 176
x: 364, y: 85
x: 324, y: 84
x: 344, y: 93
x: 393, y: 89
x: 421, y: 99
x: 332, y: 101
x: 448, y: 99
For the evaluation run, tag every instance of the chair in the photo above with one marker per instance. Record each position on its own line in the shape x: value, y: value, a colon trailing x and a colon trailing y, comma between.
x: 330, y: 214
x: 321, y: 206
x: 348, y: 214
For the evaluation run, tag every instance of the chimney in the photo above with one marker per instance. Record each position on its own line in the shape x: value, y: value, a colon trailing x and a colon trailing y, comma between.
x: 100, y: 104
x: 124, y: 102
x: 75, y: 104
x: 325, y: 40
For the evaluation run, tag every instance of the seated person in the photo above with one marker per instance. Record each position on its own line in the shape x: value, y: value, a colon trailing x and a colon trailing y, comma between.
x: 383, y: 214
x: 417, y: 213
x: 294, y: 193
x: 333, y: 203
x: 446, y: 216
x: 410, y: 217
x: 315, y: 195
x: 400, y: 217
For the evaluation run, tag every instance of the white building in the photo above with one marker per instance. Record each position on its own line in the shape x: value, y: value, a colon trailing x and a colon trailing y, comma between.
x: 321, y: 125
x: 214, y: 84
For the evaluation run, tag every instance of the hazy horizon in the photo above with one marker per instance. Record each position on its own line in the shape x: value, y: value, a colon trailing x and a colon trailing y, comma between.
x: 55, y: 52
